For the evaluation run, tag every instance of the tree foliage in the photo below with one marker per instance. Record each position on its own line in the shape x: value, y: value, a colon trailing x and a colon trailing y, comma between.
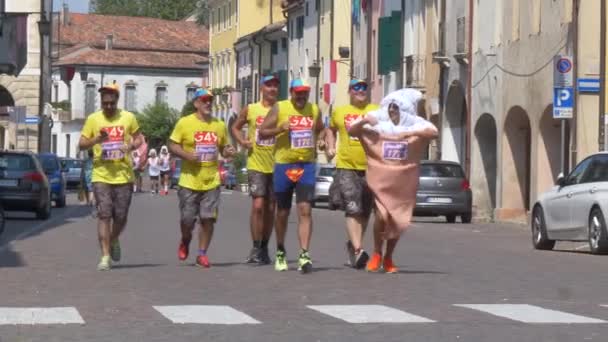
x: 156, y: 123
x: 162, y: 9
x: 188, y: 108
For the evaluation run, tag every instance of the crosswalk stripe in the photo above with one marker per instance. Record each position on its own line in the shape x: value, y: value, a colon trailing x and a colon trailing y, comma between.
x: 32, y: 316
x: 368, y: 314
x: 204, y: 314
x: 530, y: 313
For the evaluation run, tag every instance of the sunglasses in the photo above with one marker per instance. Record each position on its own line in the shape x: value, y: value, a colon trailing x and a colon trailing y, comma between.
x: 359, y: 87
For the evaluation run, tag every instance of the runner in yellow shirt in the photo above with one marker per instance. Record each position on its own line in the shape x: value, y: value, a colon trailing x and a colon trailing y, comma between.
x: 260, y: 164
x: 296, y: 124
x: 113, y: 134
x: 198, y: 139
x: 349, y: 182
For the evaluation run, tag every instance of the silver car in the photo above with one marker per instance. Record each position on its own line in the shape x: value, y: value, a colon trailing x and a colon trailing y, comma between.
x: 74, y: 170
x: 324, y: 178
x: 573, y: 210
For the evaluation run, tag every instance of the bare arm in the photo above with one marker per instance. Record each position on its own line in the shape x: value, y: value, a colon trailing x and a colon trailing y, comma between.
x: 430, y: 132
x: 86, y: 143
x: 178, y: 150
x: 241, y: 120
x: 356, y: 129
x: 269, y: 127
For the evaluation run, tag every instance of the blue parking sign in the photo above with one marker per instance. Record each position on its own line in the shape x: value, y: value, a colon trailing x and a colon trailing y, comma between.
x: 563, y: 103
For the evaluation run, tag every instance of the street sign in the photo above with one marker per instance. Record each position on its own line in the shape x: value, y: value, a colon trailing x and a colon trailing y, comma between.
x: 588, y: 85
x: 32, y: 120
x: 563, y: 75
x: 563, y: 102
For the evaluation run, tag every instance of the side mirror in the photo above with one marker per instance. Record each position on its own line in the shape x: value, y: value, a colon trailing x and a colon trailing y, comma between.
x: 561, y: 180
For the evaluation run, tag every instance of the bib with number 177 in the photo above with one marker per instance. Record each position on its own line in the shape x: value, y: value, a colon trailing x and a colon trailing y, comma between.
x: 205, y: 145
x: 394, y: 150
x: 300, y: 131
x: 111, y: 148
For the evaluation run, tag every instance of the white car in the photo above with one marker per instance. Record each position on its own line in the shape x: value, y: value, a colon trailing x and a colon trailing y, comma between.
x: 573, y: 210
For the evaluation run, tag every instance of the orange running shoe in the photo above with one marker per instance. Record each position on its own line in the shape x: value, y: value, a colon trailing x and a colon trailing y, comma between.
x: 389, y: 266
x: 373, y: 265
x: 183, y: 250
x: 202, y: 261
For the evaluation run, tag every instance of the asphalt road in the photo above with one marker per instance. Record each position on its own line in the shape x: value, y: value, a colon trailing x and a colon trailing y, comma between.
x: 479, y: 282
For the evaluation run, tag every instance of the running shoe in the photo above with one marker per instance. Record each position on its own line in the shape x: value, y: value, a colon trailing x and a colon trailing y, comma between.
x: 389, y: 266
x: 374, y: 264
x: 264, y: 258
x: 183, y: 250
x: 350, y: 253
x: 202, y: 261
x: 280, y: 262
x: 115, y: 251
x: 254, y: 256
x: 104, y: 263
x: 361, y: 259
x: 304, y: 263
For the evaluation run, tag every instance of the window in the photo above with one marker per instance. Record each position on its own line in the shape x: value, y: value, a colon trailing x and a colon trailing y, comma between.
x: 130, y: 104
x: 300, y: 27
x: 161, y: 94
x: 236, y: 12
x: 441, y: 171
x: 225, y: 19
x: 229, y: 13
x: 56, y: 90
x: 68, y: 142
x: 211, y: 21
x: 219, y: 18
x: 284, y: 43
x: 190, y: 93
x: 290, y: 29
x: 317, y: 5
x: 576, y: 175
x: 307, y: 8
x: 597, y: 170
x: 89, y: 98
x: 54, y: 143
x: 274, y: 47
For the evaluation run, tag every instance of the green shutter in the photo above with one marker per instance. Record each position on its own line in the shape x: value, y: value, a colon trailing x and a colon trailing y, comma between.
x: 283, y: 93
x: 383, y: 34
x: 389, y: 44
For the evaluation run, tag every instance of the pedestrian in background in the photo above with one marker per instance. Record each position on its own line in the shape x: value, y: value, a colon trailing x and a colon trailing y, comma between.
x: 136, y: 159
x: 165, y: 169
x: 153, y: 165
x: 86, y: 180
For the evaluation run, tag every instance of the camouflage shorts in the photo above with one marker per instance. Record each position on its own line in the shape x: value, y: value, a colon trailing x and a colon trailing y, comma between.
x: 194, y: 204
x: 349, y: 192
x: 260, y: 184
x: 113, y: 200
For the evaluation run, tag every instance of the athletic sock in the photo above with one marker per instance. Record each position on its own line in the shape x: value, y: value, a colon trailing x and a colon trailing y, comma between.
x: 264, y: 244
x: 202, y: 252
x: 257, y: 244
x: 280, y: 247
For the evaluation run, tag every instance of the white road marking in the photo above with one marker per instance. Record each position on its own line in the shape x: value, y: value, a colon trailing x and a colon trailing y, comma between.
x: 368, y: 314
x: 204, y: 314
x: 530, y: 314
x: 32, y: 316
x: 582, y: 247
x: 38, y: 227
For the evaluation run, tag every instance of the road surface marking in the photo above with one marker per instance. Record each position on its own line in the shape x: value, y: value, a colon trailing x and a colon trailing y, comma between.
x: 368, y: 314
x: 529, y: 313
x: 31, y: 316
x: 204, y: 314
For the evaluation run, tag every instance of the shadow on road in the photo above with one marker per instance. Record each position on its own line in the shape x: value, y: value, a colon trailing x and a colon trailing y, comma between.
x: 18, y: 229
x: 129, y: 266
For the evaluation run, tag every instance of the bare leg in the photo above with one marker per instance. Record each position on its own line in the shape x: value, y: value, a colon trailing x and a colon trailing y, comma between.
x: 117, y: 228
x: 281, y: 225
x: 256, y: 220
x: 390, y: 248
x: 355, y: 227
x: 206, y: 233
x: 304, y: 224
x: 268, y: 219
x: 104, y: 235
x: 378, y: 235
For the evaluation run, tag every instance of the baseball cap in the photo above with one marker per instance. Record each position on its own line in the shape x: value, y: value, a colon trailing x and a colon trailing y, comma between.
x: 299, y: 84
x: 356, y: 81
x: 202, y: 92
x: 268, y: 78
x: 111, y: 87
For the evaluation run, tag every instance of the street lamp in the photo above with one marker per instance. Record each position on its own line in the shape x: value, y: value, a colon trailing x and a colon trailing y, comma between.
x: 44, y: 26
x: 84, y: 75
x: 314, y: 70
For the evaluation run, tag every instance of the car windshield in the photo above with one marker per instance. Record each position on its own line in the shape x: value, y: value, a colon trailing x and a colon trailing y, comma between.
x: 72, y: 163
x: 15, y: 162
x: 49, y: 164
x: 327, y: 171
x: 441, y: 171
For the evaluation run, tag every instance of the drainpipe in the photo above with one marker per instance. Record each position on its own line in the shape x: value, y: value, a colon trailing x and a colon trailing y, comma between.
x: 319, y: 9
x: 469, y: 92
x: 573, y: 128
x: 370, y: 48
x: 251, y: 43
x: 602, y: 125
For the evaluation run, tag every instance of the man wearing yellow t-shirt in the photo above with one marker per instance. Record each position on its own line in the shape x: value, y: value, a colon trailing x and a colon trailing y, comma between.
x: 260, y: 164
x: 296, y: 124
x: 349, y: 181
x: 198, y: 139
x: 112, y: 134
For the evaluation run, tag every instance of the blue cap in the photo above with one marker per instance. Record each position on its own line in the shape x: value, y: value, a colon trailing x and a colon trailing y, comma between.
x: 202, y: 92
x: 269, y: 77
x: 299, y: 84
x: 356, y: 81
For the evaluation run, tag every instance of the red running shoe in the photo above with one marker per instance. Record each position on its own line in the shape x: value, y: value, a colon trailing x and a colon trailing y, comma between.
x: 183, y: 250
x: 202, y: 261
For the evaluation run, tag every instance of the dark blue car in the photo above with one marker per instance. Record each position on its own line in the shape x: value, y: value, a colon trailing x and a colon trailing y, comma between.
x: 56, y: 176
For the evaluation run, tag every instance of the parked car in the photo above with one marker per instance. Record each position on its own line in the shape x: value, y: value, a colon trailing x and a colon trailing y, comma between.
x: 324, y: 177
x: 176, y: 172
x: 55, y: 174
x: 23, y: 184
x: 443, y: 190
x: 573, y: 210
x: 2, y: 218
x: 73, y: 173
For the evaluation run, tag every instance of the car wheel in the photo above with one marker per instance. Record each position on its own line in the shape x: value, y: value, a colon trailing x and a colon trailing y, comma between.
x: 539, y: 231
x: 598, y: 240
x: 45, y: 212
x: 450, y: 218
x: 466, y: 218
x: 60, y: 203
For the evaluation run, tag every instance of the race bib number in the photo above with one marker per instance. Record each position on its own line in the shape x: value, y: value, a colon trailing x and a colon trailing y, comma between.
x: 205, y: 145
x: 300, y: 131
x: 349, y: 120
x: 394, y: 150
x: 111, y: 148
x: 259, y: 141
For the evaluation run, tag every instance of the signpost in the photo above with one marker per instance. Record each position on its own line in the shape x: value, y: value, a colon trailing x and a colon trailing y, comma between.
x: 563, y: 99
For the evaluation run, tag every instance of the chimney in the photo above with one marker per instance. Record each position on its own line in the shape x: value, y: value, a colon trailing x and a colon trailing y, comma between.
x: 65, y: 15
x: 109, y: 41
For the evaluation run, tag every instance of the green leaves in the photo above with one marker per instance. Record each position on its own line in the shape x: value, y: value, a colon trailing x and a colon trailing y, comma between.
x: 157, y: 122
x: 162, y: 9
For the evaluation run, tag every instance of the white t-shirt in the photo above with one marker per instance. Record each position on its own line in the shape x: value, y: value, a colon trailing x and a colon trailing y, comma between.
x: 153, y: 167
x: 165, y: 164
